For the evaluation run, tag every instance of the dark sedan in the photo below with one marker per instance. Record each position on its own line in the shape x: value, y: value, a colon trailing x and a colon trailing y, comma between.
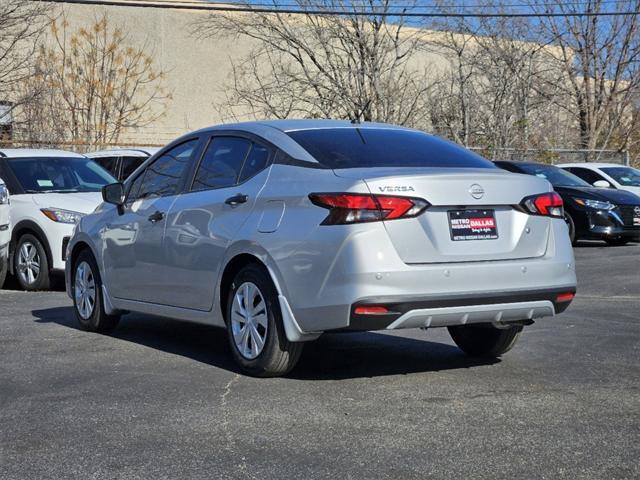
x: 591, y: 213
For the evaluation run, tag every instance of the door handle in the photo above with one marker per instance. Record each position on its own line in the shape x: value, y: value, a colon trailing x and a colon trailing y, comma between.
x: 156, y: 216
x: 236, y: 200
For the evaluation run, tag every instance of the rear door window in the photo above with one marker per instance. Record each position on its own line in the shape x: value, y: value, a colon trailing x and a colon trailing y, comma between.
x: 257, y: 160
x: 379, y: 147
x: 222, y: 163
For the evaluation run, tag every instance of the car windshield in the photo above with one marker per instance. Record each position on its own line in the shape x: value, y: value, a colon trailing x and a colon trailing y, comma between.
x: 379, y: 147
x: 625, y: 176
x: 556, y: 176
x: 59, y: 174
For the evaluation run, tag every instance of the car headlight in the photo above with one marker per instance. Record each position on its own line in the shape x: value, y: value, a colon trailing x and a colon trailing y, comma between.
x: 596, y: 204
x: 62, y: 216
x: 4, y: 194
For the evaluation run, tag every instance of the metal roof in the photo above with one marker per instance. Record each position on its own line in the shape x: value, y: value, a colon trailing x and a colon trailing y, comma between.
x: 36, y: 152
x: 124, y: 152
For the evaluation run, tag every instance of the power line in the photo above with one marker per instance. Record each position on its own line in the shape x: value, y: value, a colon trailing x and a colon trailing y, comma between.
x: 322, y: 12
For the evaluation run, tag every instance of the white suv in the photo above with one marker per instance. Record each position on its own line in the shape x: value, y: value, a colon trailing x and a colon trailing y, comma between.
x: 5, y: 231
x: 50, y: 191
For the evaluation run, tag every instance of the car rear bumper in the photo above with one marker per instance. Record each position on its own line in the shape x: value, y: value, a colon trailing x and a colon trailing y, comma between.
x: 496, y: 307
x: 367, y: 269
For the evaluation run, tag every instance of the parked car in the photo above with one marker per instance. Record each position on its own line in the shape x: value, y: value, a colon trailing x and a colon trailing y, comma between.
x: 5, y: 231
x: 279, y: 231
x: 121, y: 162
x: 50, y: 191
x: 591, y: 213
x: 606, y: 175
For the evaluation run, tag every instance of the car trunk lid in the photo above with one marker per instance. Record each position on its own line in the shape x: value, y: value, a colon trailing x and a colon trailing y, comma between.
x: 490, y: 193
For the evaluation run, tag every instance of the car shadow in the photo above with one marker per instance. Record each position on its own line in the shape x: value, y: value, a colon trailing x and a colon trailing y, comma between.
x: 337, y: 356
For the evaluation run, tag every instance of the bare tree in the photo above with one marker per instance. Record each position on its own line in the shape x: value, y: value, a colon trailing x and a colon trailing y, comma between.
x: 93, y: 86
x: 21, y: 23
x: 356, y: 66
x: 600, y: 65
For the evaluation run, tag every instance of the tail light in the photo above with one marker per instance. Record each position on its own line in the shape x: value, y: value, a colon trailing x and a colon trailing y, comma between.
x: 347, y: 208
x: 546, y: 204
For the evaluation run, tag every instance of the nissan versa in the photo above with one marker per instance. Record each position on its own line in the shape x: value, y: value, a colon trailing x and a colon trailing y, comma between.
x: 279, y: 231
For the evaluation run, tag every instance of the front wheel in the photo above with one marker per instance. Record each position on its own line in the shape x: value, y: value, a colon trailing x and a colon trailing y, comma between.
x: 571, y: 225
x: 254, y: 325
x: 31, y: 265
x: 485, y: 340
x: 88, y: 301
x: 4, y: 266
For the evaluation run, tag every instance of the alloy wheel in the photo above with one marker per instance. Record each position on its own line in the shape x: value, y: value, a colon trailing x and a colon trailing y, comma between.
x: 85, y: 290
x: 28, y: 263
x: 249, y: 321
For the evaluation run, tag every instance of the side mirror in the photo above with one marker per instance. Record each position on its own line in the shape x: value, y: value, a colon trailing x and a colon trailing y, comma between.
x: 113, y: 193
x: 601, y: 184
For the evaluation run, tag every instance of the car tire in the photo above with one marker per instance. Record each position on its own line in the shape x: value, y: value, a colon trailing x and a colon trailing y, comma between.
x: 257, y: 337
x: 616, y: 242
x: 4, y: 266
x: 485, y: 340
x: 30, y: 264
x: 86, y: 291
x: 572, y: 228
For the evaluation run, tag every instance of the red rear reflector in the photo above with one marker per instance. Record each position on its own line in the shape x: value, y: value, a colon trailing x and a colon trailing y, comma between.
x: 565, y: 297
x: 371, y: 310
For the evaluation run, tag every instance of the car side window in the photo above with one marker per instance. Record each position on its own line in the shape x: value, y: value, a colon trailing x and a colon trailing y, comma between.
x: 164, y: 176
x: 587, y: 175
x: 256, y: 161
x: 129, y: 164
x: 110, y: 164
x: 221, y: 164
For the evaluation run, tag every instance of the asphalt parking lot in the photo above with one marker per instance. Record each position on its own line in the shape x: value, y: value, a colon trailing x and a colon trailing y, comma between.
x: 162, y: 399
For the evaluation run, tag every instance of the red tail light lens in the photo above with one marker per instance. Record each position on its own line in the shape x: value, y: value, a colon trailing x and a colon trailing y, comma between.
x: 565, y: 297
x: 345, y: 208
x: 546, y: 204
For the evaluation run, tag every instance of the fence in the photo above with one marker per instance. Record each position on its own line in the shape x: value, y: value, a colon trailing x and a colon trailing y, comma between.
x: 556, y: 155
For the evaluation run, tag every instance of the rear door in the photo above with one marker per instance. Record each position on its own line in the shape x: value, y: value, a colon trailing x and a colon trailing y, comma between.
x: 203, y: 222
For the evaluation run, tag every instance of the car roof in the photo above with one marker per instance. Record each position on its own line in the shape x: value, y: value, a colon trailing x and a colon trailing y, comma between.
x: 291, y: 125
x: 590, y: 165
x: 37, y: 152
x: 124, y: 152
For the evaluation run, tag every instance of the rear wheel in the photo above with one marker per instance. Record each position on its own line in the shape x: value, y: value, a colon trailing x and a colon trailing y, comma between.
x: 485, y: 340
x: 254, y: 325
x: 617, y: 242
x: 88, y: 301
x: 30, y: 263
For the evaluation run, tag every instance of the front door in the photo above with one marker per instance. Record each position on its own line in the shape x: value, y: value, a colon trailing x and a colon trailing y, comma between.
x: 134, y: 240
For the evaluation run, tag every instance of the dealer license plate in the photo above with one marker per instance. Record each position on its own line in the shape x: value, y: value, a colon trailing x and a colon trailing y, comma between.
x: 472, y: 225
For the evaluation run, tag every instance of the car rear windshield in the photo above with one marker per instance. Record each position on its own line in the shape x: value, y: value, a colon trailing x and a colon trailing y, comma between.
x: 59, y: 174
x: 378, y: 147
